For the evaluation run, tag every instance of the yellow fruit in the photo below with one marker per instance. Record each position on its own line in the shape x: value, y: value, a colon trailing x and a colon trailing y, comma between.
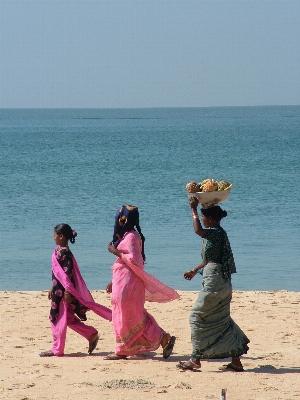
x: 229, y: 187
x: 209, y: 186
x: 224, y: 185
x: 204, y: 182
x: 192, y: 187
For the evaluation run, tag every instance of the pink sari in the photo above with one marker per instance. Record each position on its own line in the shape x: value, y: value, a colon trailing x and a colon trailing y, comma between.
x: 81, y: 293
x: 136, y: 331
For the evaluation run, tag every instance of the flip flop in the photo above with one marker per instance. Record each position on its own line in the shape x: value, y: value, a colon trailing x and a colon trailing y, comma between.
x: 167, y: 351
x: 47, y: 353
x: 114, y: 356
x: 188, y: 365
x: 231, y: 367
x: 93, y: 344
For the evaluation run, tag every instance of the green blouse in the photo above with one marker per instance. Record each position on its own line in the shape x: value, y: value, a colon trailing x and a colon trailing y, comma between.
x: 217, y: 249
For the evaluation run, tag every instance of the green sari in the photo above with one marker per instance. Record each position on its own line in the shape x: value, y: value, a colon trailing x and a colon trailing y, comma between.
x: 213, y: 332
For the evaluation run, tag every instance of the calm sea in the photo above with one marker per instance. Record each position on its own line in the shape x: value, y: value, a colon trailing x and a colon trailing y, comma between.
x: 80, y: 165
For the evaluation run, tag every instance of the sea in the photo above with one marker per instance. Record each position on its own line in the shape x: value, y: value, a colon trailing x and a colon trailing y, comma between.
x: 78, y: 166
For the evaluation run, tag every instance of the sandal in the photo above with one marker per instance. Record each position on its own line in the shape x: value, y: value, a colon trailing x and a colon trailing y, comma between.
x: 93, y: 341
x: 188, y: 365
x: 167, y: 351
x: 47, y: 353
x: 231, y: 367
x: 114, y: 356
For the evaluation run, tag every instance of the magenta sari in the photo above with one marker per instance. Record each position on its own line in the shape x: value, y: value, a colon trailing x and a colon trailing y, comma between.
x: 136, y: 331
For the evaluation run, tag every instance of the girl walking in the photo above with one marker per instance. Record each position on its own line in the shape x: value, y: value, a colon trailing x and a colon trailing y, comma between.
x: 70, y: 298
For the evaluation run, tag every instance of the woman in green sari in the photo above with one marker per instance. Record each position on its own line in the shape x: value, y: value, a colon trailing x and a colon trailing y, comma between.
x: 214, y: 334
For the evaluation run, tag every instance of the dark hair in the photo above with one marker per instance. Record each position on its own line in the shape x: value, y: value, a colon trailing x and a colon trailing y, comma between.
x: 214, y: 212
x: 67, y: 231
x: 136, y: 223
x: 138, y: 228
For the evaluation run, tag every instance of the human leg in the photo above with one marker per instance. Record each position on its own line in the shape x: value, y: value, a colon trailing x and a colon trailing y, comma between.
x: 87, y: 331
x: 78, y: 326
x: 236, y: 361
x: 59, y: 331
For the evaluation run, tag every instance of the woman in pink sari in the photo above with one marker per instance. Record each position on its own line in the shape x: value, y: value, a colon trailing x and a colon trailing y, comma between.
x: 136, y: 331
x: 70, y: 298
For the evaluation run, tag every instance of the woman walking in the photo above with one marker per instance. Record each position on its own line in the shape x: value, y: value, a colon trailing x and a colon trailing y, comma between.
x: 213, y: 332
x: 136, y: 331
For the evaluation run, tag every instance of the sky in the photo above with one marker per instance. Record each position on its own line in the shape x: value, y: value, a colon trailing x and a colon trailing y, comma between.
x: 148, y: 53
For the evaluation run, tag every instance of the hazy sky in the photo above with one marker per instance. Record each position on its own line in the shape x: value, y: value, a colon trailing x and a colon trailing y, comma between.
x: 148, y: 53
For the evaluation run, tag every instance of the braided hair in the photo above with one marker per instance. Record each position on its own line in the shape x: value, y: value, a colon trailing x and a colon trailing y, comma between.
x: 138, y: 228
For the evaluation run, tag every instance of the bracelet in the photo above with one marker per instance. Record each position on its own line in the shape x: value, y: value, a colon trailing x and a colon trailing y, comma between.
x: 195, y: 216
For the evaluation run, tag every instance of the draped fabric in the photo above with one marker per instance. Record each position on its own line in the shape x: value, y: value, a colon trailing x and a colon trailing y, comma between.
x: 213, y: 332
x: 65, y: 259
x: 65, y: 313
x: 80, y: 291
x: 136, y: 331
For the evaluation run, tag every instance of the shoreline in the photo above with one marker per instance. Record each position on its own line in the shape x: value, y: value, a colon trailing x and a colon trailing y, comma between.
x: 270, y: 319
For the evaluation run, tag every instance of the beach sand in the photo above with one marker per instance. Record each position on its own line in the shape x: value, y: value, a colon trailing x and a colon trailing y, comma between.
x: 270, y: 319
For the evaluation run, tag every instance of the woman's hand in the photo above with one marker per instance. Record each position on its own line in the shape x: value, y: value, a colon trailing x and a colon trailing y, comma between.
x: 50, y: 293
x: 188, y: 275
x: 68, y: 297
x: 112, y: 249
x: 109, y: 287
x: 193, y: 202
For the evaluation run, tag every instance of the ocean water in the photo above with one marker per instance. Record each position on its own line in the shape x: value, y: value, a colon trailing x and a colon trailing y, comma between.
x: 80, y: 165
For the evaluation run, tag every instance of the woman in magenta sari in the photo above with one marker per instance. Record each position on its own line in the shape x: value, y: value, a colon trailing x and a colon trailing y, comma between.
x: 70, y: 298
x: 136, y: 331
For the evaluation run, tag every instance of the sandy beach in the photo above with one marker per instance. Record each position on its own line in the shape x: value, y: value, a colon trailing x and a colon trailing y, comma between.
x: 270, y: 319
